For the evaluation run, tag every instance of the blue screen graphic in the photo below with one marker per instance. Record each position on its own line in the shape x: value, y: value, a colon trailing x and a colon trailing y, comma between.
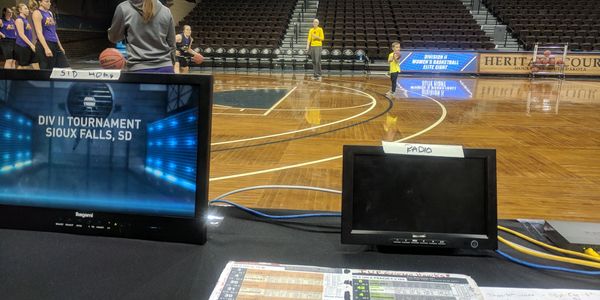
x: 439, y: 62
x: 171, y: 149
x: 15, y: 140
x: 99, y: 147
x: 442, y: 89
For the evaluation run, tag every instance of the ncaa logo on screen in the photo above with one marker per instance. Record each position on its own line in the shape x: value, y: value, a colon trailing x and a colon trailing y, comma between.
x: 84, y: 215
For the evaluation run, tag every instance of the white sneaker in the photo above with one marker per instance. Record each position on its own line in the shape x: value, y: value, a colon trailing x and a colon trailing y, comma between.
x: 389, y: 94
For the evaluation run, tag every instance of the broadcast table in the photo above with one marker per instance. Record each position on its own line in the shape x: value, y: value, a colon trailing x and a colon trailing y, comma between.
x: 40, y: 265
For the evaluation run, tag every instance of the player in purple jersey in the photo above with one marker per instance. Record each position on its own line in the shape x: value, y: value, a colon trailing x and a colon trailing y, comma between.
x: 50, y: 52
x: 24, y: 48
x: 184, y: 51
x: 8, y: 33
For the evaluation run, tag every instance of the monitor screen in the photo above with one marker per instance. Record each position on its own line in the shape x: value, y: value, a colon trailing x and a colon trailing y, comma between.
x: 419, y: 192
x: 392, y: 198
x: 93, y: 147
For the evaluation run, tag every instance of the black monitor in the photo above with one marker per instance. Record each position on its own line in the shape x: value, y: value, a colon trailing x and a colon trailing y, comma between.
x: 123, y: 158
x: 419, y: 201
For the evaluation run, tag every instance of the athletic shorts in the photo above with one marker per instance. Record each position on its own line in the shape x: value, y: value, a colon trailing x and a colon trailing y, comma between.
x: 8, y: 48
x: 57, y: 60
x: 164, y: 70
x: 24, y: 56
x: 184, y: 61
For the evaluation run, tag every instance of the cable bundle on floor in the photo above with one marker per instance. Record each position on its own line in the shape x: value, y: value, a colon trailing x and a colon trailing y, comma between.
x: 588, y: 260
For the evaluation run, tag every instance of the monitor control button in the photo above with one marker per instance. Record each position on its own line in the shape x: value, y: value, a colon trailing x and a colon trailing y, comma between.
x: 474, y: 244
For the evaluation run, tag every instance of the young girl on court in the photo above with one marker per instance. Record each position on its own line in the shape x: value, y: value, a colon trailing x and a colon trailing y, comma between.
x: 150, y: 32
x: 24, y: 48
x: 394, y: 61
x: 8, y: 33
x: 50, y: 52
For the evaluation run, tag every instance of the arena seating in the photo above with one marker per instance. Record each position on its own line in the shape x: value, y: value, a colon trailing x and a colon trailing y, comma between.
x: 576, y: 22
x: 374, y: 24
x: 80, y: 43
x: 239, y: 23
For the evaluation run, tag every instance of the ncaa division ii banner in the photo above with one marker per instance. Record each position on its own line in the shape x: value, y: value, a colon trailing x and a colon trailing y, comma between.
x: 439, y: 62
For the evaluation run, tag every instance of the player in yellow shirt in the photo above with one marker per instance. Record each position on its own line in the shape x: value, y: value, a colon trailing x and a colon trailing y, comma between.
x: 394, y: 60
x: 314, y: 45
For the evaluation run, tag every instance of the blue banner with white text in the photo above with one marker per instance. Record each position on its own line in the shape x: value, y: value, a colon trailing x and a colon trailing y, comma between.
x: 439, y: 62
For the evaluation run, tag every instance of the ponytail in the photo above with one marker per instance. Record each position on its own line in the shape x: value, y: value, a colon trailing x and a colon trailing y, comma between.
x: 33, y: 5
x: 148, y: 10
x: 19, y: 6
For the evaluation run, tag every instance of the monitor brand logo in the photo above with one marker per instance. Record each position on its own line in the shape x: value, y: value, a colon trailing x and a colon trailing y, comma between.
x: 416, y: 236
x: 84, y: 215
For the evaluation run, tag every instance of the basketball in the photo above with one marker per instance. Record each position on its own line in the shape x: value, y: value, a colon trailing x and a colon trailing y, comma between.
x: 198, y: 59
x: 111, y: 58
x: 545, y: 60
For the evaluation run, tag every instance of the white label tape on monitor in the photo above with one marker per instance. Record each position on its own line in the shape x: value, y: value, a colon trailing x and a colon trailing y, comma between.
x: 85, y: 74
x: 423, y: 149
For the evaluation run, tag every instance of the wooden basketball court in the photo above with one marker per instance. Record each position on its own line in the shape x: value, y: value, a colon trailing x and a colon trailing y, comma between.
x: 285, y: 130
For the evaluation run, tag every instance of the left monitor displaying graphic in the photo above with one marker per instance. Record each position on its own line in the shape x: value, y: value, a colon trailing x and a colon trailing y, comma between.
x: 119, y: 158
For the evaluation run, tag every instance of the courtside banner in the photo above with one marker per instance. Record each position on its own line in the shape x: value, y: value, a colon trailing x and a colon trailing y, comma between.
x: 439, y: 62
x: 518, y: 63
x: 583, y: 64
x: 504, y: 63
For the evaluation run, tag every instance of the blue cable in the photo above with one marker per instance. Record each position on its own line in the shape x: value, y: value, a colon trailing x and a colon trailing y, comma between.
x: 276, y: 217
x: 545, y: 267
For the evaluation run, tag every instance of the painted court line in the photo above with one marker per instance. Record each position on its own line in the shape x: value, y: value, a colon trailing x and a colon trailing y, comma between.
x: 373, y: 104
x: 296, y: 109
x: 435, y: 124
x: 280, y: 100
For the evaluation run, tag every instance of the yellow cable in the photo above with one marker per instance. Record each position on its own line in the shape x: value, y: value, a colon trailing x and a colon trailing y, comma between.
x: 592, y: 252
x: 557, y: 249
x: 549, y: 256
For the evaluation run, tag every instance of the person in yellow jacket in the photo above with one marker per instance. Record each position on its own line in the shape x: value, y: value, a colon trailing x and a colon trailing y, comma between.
x: 314, y: 45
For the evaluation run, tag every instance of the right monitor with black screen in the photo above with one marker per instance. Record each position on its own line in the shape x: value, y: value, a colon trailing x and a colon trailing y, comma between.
x: 419, y: 201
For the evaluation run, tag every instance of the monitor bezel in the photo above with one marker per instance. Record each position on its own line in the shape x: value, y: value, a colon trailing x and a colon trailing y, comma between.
x: 136, y: 226
x: 484, y: 241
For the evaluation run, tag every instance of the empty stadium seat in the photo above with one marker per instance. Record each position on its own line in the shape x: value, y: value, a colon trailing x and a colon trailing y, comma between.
x: 375, y: 24
x: 239, y: 23
x: 569, y: 21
